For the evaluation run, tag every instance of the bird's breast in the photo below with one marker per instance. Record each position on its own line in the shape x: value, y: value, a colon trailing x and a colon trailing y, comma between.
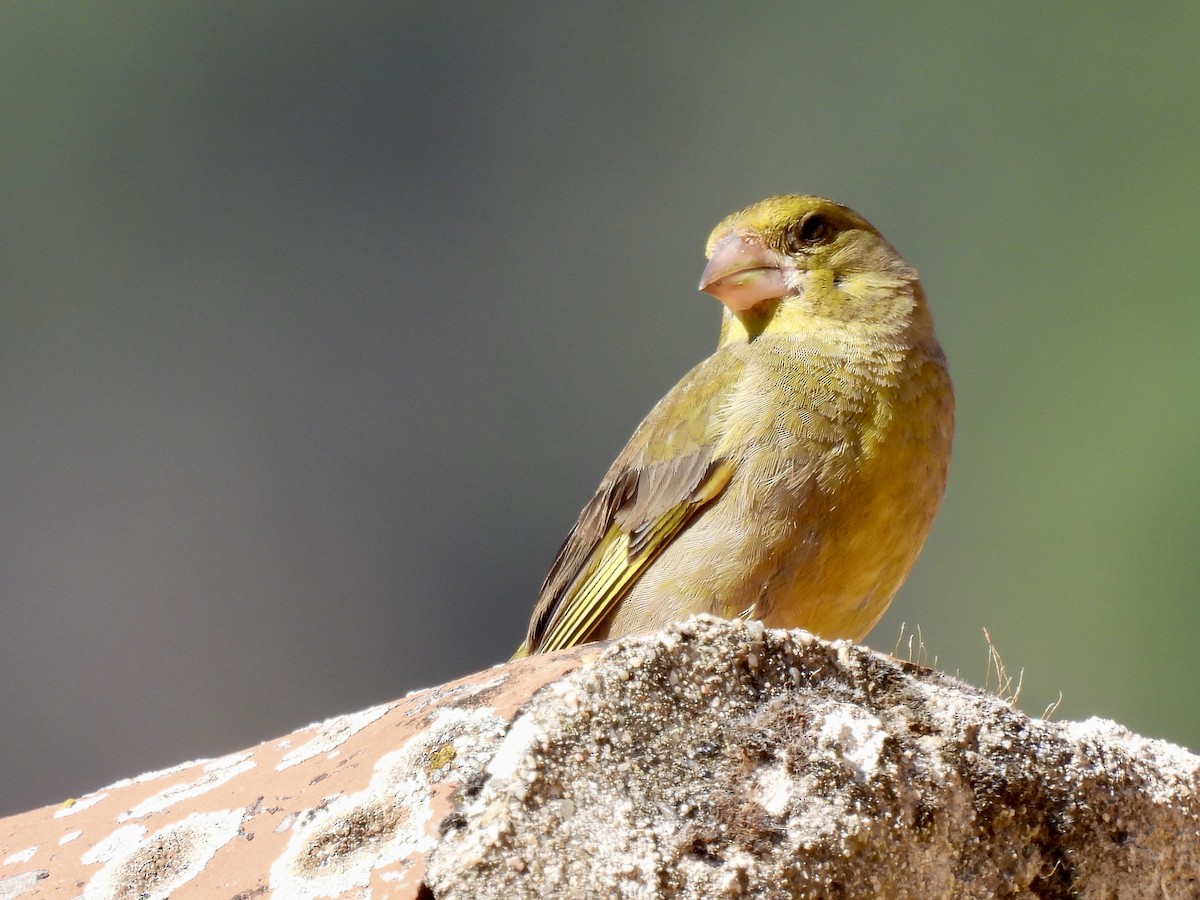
x: 845, y: 471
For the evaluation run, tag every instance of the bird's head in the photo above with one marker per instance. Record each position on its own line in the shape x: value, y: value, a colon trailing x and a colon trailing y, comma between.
x: 791, y: 262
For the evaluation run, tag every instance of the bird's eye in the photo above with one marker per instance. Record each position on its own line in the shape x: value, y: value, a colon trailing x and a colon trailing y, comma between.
x: 809, y: 231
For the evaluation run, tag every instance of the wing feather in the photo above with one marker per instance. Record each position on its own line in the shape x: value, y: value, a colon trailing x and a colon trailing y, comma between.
x: 630, y: 520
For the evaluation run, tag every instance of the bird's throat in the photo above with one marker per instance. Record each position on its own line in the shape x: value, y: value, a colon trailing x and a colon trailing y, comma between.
x: 747, y: 324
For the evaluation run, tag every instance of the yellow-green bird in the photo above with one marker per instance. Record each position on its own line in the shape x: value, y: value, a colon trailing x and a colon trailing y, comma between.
x: 792, y: 476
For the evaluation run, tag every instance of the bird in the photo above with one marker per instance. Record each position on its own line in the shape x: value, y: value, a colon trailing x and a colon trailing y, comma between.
x: 792, y: 477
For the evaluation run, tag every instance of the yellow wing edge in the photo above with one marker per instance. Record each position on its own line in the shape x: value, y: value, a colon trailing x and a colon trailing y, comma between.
x: 613, y: 570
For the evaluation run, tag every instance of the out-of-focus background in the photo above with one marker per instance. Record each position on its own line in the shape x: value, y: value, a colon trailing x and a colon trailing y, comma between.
x: 320, y: 322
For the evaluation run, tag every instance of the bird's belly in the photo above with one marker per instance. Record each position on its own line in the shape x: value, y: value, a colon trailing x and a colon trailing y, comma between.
x: 861, y: 553
x: 862, y: 541
x: 797, y: 554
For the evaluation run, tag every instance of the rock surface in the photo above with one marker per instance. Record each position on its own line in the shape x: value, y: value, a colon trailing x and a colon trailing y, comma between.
x: 713, y: 759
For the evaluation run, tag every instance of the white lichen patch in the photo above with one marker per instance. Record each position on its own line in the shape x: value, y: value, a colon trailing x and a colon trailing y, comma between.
x: 417, y: 702
x: 335, y: 848
x: 157, y: 773
x: 155, y: 866
x: 214, y: 773
x: 332, y: 733
x: 119, y: 843
x: 522, y: 737
x: 71, y: 807
x: 773, y: 789
x: 1162, y: 754
x: 21, y: 856
x: 853, y: 735
x: 20, y: 885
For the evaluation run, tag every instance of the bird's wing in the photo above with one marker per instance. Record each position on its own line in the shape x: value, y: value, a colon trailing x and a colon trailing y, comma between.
x: 634, y: 515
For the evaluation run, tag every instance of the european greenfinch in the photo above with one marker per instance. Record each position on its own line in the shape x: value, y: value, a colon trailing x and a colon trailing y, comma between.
x: 792, y: 476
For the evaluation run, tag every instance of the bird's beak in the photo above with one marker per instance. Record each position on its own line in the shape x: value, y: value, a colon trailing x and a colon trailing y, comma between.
x: 742, y: 272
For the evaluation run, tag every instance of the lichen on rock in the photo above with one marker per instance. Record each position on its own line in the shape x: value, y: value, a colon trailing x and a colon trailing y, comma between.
x: 722, y: 759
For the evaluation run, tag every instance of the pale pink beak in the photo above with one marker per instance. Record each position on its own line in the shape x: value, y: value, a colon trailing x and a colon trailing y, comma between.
x: 742, y: 273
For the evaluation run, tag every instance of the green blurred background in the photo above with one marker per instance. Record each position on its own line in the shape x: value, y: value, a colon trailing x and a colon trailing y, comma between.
x: 321, y: 321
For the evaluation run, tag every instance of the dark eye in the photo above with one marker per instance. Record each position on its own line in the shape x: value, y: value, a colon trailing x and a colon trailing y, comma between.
x: 809, y: 231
